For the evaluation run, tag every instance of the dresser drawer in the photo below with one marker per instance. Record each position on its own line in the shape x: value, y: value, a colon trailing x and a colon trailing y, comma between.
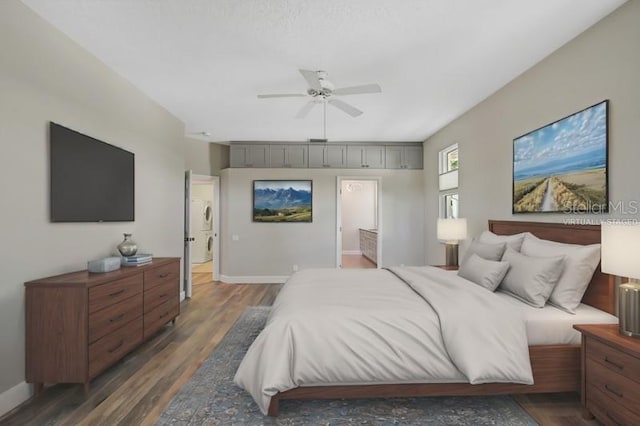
x: 113, y: 292
x: 162, y: 274
x: 159, y: 316
x: 167, y: 291
x: 114, y: 346
x: 108, y: 319
x: 608, y: 411
x: 613, y: 359
x: 617, y: 387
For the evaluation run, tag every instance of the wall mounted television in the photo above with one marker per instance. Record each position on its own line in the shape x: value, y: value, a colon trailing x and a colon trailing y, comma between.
x: 90, y: 180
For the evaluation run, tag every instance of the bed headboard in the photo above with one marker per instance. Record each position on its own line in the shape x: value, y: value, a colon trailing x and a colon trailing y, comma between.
x: 601, y: 291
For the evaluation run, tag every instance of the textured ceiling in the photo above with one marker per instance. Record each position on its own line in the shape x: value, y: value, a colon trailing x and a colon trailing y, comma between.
x: 205, y: 60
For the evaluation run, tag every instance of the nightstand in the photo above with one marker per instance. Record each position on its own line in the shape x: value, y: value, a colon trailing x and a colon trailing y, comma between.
x: 446, y: 267
x: 610, y: 374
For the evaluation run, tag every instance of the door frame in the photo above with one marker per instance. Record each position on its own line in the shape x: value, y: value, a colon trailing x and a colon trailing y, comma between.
x: 215, y: 211
x: 339, y: 180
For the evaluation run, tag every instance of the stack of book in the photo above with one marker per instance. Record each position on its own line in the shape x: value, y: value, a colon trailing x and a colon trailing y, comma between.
x: 137, y: 260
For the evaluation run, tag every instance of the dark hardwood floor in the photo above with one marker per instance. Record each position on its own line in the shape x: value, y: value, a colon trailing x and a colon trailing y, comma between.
x: 138, y: 388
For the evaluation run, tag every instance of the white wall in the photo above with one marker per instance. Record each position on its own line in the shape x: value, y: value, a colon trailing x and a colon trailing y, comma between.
x: 358, y: 211
x: 271, y: 249
x: 602, y: 63
x: 44, y: 76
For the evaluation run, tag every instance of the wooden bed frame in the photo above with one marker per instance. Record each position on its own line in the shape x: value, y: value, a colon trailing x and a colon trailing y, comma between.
x: 556, y: 368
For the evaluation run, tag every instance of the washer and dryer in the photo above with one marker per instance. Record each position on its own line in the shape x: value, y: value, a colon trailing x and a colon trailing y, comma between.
x: 202, y: 247
x: 201, y: 225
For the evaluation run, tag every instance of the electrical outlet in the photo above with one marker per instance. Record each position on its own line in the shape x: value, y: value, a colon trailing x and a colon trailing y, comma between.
x: 235, y: 237
x: 402, y: 265
x: 295, y: 268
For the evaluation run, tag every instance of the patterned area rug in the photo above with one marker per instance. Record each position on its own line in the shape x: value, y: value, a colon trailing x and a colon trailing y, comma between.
x: 211, y: 398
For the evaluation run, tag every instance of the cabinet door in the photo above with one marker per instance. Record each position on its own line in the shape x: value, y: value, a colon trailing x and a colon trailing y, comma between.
x: 277, y: 156
x: 412, y: 157
x: 258, y: 156
x: 316, y: 155
x: 374, y: 157
x: 336, y: 156
x: 356, y: 157
x: 238, y: 156
x: 297, y: 156
x: 393, y: 157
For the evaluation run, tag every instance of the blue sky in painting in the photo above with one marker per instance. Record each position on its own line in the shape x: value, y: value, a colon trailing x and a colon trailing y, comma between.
x: 275, y: 185
x: 578, y: 142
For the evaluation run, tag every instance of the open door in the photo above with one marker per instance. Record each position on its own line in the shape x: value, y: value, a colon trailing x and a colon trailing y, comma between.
x: 188, y: 238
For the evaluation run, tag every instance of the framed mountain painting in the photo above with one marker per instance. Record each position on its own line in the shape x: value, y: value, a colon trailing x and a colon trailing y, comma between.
x: 562, y: 167
x: 282, y: 200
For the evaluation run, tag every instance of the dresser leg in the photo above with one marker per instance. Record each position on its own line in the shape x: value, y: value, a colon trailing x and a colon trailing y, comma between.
x: 86, y: 388
x: 173, y: 322
x: 586, y: 414
x: 37, y: 389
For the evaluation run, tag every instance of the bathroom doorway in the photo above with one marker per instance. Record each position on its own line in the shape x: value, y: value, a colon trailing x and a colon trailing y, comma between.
x: 359, y: 223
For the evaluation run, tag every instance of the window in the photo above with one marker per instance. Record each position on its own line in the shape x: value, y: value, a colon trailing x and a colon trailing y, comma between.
x: 448, y: 182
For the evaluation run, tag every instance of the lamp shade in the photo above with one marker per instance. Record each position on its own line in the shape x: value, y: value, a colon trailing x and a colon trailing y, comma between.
x: 621, y: 249
x: 452, y: 230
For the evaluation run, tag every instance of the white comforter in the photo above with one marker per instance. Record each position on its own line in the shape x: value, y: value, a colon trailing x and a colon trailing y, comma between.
x: 341, y: 326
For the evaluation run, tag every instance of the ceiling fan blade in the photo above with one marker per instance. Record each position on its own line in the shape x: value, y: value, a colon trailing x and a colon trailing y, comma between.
x: 351, y: 110
x: 306, y: 108
x: 357, y: 90
x: 312, y: 79
x: 282, y: 95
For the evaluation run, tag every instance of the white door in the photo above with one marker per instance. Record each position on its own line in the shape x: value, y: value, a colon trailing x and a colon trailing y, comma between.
x: 188, y: 238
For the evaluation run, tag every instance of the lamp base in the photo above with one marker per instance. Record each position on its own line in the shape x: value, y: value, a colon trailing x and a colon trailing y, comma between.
x: 451, y: 254
x: 629, y: 297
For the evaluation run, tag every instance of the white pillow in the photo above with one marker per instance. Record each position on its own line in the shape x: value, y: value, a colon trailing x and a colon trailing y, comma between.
x: 515, y: 241
x: 580, y: 263
x: 485, y: 250
x: 531, y: 279
x: 485, y: 273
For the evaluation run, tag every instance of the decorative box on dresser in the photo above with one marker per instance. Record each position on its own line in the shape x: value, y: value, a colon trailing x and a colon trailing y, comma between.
x: 78, y: 324
x: 610, y: 374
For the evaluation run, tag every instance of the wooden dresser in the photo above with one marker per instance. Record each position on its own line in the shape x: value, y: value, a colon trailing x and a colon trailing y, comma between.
x: 610, y: 374
x: 80, y: 323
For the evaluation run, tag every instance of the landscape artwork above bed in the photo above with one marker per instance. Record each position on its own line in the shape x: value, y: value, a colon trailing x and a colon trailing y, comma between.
x: 282, y: 200
x: 562, y: 167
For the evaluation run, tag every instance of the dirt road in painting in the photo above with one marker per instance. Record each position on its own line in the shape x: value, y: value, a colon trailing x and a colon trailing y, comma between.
x: 548, y: 202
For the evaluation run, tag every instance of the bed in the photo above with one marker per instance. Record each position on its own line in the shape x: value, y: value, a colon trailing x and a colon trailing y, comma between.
x: 552, y: 367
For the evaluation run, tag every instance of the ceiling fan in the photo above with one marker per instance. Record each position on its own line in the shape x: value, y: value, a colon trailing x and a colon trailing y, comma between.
x: 323, y: 91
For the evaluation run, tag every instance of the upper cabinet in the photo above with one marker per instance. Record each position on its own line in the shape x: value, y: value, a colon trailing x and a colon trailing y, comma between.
x: 403, y: 157
x: 284, y: 156
x: 249, y: 156
x: 356, y: 155
x: 366, y: 156
x: 328, y: 156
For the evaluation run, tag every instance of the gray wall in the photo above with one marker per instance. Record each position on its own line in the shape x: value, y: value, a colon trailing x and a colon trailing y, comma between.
x: 205, y: 158
x: 265, y: 249
x: 44, y: 76
x: 602, y: 63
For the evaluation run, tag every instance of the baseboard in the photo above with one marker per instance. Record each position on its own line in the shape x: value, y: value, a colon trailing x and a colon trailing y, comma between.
x: 15, y: 396
x: 254, y: 279
x: 352, y: 252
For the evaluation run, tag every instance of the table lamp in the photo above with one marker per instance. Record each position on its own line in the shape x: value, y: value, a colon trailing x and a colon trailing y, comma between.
x: 621, y: 256
x: 451, y: 231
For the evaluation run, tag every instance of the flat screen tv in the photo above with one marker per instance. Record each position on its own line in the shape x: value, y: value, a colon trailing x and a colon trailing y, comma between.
x: 91, y: 180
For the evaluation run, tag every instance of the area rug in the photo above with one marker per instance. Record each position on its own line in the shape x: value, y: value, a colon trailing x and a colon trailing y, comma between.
x: 211, y: 398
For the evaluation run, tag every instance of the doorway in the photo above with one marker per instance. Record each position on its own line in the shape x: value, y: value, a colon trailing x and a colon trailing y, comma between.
x: 202, y: 247
x: 358, y: 223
